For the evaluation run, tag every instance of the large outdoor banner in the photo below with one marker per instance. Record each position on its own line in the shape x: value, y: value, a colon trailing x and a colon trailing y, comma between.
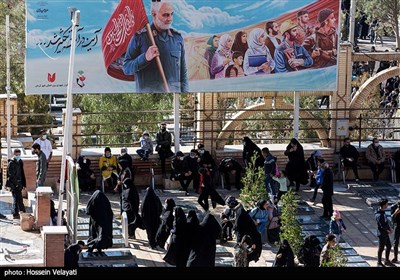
x: 200, y: 46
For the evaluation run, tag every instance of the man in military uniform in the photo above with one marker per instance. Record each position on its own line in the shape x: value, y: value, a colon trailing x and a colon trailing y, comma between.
x: 140, y: 55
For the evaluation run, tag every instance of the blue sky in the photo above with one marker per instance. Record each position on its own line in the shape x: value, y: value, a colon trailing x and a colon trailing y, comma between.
x: 192, y: 17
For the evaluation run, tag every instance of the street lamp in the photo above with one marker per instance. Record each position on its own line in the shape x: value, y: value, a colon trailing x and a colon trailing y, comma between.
x: 67, y: 139
x: 8, y: 86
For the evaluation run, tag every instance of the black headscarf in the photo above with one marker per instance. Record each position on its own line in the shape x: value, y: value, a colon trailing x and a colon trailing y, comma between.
x: 237, y: 45
x: 249, y: 149
x: 176, y: 254
x: 151, y: 210
x: 203, y: 248
x: 285, y: 252
x: 100, y: 224
x: 245, y: 225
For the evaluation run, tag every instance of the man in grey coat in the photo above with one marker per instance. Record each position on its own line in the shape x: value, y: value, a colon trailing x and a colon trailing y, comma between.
x: 41, y: 165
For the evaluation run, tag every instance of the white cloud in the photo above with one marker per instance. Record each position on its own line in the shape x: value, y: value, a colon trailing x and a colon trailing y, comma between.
x: 204, y: 16
x: 277, y: 3
x: 29, y: 15
x: 256, y: 5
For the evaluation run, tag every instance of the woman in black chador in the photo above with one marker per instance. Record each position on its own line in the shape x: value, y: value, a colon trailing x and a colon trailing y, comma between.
x: 86, y: 177
x: 249, y: 149
x: 202, y: 253
x: 244, y: 225
x: 167, y: 222
x: 296, y: 168
x: 130, y: 204
x: 284, y: 256
x: 176, y: 254
x: 192, y: 226
x: 100, y: 224
x: 151, y: 210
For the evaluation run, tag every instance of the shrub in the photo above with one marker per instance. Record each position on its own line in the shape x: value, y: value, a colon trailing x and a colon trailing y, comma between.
x: 253, y: 185
x: 290, y: 228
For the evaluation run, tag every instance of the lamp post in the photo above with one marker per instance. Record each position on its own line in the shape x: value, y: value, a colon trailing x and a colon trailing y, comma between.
x: 8, y: 86
x: 67, y: 140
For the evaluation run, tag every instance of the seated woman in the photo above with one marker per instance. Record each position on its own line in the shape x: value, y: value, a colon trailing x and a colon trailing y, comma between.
x: 86, y: 177
x: 259, y: 215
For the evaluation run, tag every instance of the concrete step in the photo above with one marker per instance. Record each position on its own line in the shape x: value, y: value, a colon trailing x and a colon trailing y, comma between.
x: 108, y: 258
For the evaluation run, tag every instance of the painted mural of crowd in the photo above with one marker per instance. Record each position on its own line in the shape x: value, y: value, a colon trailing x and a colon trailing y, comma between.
x: 291, y: 45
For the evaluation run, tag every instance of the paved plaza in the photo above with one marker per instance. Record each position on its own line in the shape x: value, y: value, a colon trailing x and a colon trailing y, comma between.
x: 20, y: 248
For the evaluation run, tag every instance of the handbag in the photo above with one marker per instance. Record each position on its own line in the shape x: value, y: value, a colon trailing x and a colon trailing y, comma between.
x: 274, y: 223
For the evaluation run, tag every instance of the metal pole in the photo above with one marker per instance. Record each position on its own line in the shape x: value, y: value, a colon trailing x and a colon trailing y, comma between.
x: 296, y: 115
x: 8, y: 87
x: 67, y: 140
x: 176, y: 121
x: 352, y: 21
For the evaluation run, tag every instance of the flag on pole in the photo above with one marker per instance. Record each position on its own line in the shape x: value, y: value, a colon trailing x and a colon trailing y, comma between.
x: 128, y: 18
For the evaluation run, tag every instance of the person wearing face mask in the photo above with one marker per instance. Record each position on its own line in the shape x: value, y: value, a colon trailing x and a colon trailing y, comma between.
x: 108, y: 167
x: 192, y: 161
x: 206, y: 160
x: 45, y: 145
x: 41, y: 165
x: 376, y: 158
x: 146, y: 146
x: 16, y: 182
x: 180, y: 171
x: 86, y: 176
x: 163, y: 148
x: 349, y: 156
x: 127, y: 157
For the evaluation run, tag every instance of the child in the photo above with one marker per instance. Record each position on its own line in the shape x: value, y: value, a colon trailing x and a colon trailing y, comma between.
x: 336, y: 225
x: 282, y: 180
x: 236, y: 69
x: 146, y: 146
x: 242, y: 249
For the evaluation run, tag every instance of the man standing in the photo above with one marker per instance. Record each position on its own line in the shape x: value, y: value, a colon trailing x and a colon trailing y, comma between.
x: 303, y: 29
x: 269, y: 168
x: 349, y: 156
x: 41, y: 165
x: 395, y: 213
x: 140, y: 55
x: 327, y: 191
x: 164, y: 142
x: 271, y: 41
x: 16, y: 182
x: 322, y: 45
x: 376, y: 158
x: 45, y: 145
x: 383, y: 233
x: 290, y: 56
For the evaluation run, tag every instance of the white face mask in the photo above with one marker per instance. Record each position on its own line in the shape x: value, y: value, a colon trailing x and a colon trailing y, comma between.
x: 44, y: 137
x: 84, y: 161
x: 376, y: 144
x: 122, y: 154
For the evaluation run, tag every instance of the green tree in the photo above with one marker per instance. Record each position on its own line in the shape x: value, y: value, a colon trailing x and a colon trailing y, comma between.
x: 129, y: 115
x: 290, y: 228
x: 335, y: 258
x: 33, y: 109
x: 387, y: 11
x: 253, y: 185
